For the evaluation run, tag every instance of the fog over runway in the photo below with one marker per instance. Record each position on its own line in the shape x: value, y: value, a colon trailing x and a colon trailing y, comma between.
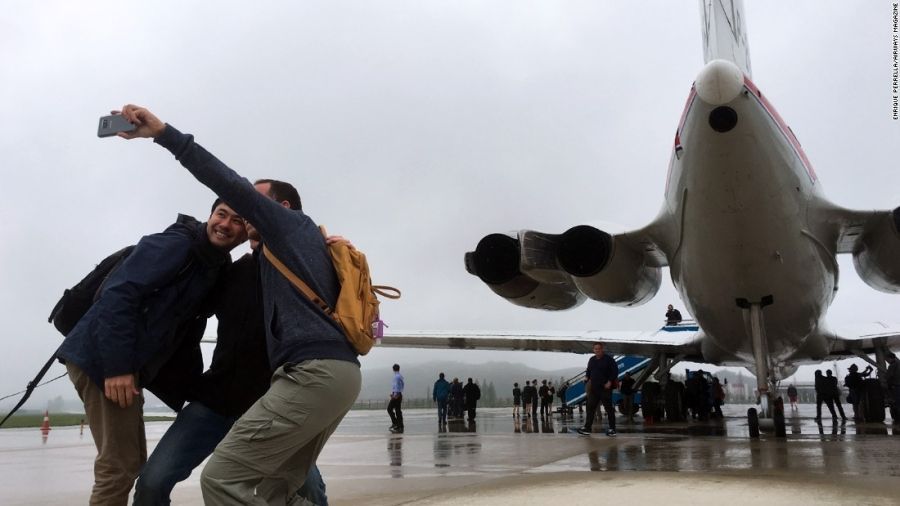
x: 501, y: 461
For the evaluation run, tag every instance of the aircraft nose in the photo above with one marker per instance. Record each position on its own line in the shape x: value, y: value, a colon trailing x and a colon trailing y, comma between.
x: 719, y: 82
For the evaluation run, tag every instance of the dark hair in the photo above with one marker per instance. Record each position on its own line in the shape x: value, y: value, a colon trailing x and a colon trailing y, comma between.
x: 215, y: 205
x: 441, y: 375
x: 515, y: 384
x: 281, y: 191
x: 396, y: 367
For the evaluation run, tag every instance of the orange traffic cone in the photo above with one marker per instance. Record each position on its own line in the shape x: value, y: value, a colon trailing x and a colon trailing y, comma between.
x: 45, y: 426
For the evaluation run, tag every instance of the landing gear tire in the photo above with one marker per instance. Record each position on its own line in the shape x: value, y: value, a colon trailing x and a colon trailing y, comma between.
x: 872, y: 403
x: 778, y: 418
x: 753, y: 422
x: 675, y: 401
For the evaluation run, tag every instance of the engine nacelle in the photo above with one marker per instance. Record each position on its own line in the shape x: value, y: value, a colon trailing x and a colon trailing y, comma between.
x: 604, y: 268
x: 497, y: 261
x: 877, y: 257
x: 551, y: 271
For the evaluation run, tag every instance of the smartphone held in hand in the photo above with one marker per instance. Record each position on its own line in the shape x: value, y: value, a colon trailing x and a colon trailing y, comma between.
x: 113, y: 124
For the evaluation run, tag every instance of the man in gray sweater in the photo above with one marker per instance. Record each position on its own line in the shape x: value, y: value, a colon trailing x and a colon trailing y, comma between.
x: 266, y: 456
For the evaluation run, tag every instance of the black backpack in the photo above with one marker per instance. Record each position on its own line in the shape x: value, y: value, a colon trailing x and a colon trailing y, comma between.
x: 76, y: 301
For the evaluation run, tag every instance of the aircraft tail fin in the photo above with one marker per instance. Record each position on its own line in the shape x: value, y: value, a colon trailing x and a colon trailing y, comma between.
x: 724, y: 33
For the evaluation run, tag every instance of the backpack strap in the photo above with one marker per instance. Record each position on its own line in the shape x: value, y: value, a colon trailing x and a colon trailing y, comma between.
x: 297, y: 282
x: 31, y: 386
x: 386, y: 291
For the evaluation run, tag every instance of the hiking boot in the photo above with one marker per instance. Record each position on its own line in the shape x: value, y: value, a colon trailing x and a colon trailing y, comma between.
x: 582, y: 431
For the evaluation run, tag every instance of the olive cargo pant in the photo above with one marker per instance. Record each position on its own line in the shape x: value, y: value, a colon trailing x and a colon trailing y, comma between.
x: 266, y: 456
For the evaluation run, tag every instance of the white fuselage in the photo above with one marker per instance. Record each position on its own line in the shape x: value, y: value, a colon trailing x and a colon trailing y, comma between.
x: 737, y: 225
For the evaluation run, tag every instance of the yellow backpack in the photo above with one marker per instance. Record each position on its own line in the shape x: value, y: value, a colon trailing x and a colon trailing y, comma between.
x: 356, y: 310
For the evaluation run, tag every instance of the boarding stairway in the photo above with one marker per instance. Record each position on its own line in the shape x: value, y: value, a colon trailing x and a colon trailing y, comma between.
x: 575, y: 392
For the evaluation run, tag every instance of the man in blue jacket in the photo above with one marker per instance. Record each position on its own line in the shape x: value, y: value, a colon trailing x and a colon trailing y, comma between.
x: 439, y: 394
x: 129, y: 334
x: 601, y: 376
x: 265, y: 457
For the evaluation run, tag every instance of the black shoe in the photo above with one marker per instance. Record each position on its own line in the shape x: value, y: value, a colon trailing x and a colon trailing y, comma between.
x: 582, y: 431
x: 611, y: 432
x: 396, y: 430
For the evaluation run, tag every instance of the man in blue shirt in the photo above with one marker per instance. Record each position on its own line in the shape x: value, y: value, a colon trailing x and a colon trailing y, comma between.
x: 393, y: 408
x: 601, y: 376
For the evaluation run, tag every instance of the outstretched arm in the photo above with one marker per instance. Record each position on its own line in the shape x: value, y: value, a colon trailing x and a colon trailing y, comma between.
x: 262, y: 212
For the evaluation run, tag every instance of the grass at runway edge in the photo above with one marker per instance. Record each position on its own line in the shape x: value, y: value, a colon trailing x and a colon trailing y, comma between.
x: 60, y: 420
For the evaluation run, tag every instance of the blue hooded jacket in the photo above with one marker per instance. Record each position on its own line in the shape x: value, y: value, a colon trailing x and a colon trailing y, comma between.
x: 441, y: 390
x: 131, y: 328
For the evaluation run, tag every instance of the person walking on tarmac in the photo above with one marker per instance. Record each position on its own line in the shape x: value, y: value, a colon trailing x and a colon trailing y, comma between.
x: 601, y: 375
x: 456, y: 399
x: 544, y: 395
x: 823, y: 395
x: 393, y: 409
x: 792, y: 395
x: 893, y: 382
x: 472, y: 394
x: 627, y: 391
x: 832, y: 384
x: 855, y: 381
x: 439, y: 394
x: 526, y: 398
x: 517, y: 398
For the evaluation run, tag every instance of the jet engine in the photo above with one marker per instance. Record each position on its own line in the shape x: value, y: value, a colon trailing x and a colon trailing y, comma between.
x: 877, y: 254
x: 550, y: 271
x: 498, y: 261
x: 607, y: 269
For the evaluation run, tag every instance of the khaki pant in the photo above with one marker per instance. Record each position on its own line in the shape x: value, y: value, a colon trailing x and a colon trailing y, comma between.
x: 266, y: 456
x: 119, y: 437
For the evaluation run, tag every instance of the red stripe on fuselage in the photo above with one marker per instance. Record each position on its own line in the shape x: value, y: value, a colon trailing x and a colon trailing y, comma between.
x: 677, y: 143
x: 792, y: 139
x: 782, y: 126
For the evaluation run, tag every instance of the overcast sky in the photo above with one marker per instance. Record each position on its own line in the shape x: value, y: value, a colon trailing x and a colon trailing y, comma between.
x: 413, y: 128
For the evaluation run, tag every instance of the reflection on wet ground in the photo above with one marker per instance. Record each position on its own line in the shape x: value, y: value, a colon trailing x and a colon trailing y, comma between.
x: 551, y: 445
x: 362, y: 453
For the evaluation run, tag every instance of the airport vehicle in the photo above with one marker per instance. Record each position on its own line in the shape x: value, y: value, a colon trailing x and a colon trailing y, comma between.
x: 745, y: 229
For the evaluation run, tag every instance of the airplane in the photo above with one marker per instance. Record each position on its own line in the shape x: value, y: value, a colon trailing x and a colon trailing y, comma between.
x: 745, y: 229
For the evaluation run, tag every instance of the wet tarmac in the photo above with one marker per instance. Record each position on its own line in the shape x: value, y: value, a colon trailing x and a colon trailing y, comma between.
x: 501, y: 460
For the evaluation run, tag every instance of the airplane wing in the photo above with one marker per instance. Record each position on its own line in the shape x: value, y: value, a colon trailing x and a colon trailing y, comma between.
x: 683, y: 340
x: 873, y: 238
x: 864, y: 338
x: 855, y: 226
